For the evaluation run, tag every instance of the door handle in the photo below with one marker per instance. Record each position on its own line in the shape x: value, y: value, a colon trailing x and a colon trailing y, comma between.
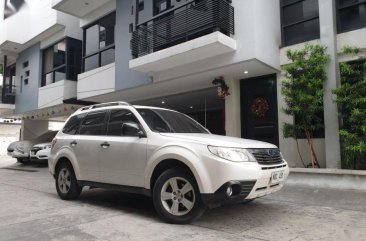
x: 73, y: 143
x: 105, y: 145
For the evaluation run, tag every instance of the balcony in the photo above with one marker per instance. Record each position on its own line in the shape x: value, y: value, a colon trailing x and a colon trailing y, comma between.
x: 195, y: 31
x: 54, y: 94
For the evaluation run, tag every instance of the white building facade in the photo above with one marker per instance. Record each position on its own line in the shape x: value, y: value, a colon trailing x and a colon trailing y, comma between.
x: 167, y: 53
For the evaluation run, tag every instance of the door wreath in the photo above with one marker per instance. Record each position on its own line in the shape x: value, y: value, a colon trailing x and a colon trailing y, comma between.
x: 260, y: 107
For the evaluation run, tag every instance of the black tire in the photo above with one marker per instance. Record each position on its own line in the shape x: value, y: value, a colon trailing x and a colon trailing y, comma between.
x: 198, y: 207
x: 71, y: 191
x: 23, y: 160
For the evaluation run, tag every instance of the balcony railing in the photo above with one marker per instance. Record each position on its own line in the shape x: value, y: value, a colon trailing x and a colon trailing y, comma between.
x: 190, y: 21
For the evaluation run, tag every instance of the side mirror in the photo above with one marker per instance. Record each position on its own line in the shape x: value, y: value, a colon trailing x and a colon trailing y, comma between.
x: 132, y: 129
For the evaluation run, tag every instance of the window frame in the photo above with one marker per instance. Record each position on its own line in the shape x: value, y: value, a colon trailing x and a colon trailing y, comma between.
x: 338, y: 15
x: 66, y: 65
x: 100, y: 50
x: 308, y: 19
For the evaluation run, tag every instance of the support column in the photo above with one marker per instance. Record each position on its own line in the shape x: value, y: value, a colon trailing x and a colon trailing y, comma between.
x: 328, y: 37
x: 33, y: 128
x: 232, y: 109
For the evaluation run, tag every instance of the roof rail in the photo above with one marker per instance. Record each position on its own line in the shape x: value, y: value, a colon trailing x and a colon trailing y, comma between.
x: 103, y: 105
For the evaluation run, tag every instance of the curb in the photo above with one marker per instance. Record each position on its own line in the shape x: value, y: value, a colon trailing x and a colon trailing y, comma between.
x: 328, y: 178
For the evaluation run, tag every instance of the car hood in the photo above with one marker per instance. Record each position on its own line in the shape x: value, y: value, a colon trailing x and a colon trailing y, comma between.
x: 42, y: 144
x: 217, y: 140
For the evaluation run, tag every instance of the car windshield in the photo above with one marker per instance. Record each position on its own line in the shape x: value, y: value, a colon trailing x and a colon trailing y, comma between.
x: 167, y: 121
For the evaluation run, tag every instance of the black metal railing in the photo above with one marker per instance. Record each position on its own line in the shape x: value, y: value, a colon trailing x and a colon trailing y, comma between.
x: 192, y: 20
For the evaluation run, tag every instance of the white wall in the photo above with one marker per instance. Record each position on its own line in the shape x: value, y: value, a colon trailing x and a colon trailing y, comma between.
x: 96, y: 82
x: 33, y: 19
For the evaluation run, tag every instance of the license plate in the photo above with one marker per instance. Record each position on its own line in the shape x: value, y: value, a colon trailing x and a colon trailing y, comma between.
x: 277, y: 177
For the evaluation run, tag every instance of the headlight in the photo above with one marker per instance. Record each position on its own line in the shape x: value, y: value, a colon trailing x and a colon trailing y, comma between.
x: 231, y: 154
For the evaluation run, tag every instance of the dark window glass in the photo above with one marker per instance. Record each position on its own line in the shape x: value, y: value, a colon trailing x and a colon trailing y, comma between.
x: 116, y: 121
x: 93, y: 124
x: 91, y: 62
x: 346, y: 3
x: 170, y: 121
x: 161, y: 6
x: 300, y: 11
x: 55, y: 65
x: 299, y: 21
x: 141, y: 5
x: 302, y: 32
x: 72, y: 126
x: 351, y: 15
x: 99, y: 43
x: 107, y: 57
x: 59, y: 54
x: 92, y: 39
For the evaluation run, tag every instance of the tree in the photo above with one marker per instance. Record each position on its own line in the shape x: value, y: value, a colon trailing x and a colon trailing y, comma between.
x: 351, y: 99
x: 303, y: 93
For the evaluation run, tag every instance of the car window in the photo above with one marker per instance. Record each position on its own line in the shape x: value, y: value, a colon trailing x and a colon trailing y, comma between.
x: 72, y: 126
x: 116, y: 121
x: 167, y: 121
x: 93, y: 124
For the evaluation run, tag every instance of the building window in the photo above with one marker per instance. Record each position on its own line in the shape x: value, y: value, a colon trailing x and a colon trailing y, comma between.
x: 299, y: 21
x: 141, y: 5
x: 99, y: 48
x: 351, y: 15
x: 61, y: 61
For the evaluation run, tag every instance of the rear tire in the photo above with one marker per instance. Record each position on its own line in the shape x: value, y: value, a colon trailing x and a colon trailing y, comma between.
x: 66, y: 183
x: 176, y: 197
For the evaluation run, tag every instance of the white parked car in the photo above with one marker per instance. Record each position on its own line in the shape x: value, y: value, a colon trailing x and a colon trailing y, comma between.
x: 164, y: 154
x: 21, y: 149
x: 40, y: 152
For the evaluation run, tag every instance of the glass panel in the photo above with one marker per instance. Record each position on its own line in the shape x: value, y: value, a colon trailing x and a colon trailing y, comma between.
x: 60, y: 74
x: 47, y: 60
x: 59, y: 54
x: 344, y: 3
x: 106, y: 30
x: 352, y: 18
x: 72, y: 126
x: 300, y: 11
x: 302, y: 32
x: 93, y: 124
x: 48, y: 78
x: 107, y: 57
x: 117, y: 119
x: 92, y: 38
x: 91, y: 62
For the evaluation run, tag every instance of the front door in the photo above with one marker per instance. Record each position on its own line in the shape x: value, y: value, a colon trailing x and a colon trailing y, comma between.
x: 259, y: 112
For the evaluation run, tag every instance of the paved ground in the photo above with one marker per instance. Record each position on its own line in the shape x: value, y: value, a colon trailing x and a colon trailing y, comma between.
x: 31, y: 210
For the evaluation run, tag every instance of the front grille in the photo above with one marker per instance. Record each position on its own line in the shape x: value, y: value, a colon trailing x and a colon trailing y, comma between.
x: 267, y: 156
x: 246, y: 187
x: 36, y: 149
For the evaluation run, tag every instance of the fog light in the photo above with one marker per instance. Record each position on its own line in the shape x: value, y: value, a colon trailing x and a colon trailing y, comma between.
x: 229, y: 191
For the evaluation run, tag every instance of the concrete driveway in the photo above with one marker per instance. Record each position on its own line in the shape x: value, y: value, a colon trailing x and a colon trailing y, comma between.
x: 31, y: 210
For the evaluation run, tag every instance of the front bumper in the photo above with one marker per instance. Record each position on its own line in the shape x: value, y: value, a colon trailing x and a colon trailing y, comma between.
x: 248, y: 189
x: 39, y: 154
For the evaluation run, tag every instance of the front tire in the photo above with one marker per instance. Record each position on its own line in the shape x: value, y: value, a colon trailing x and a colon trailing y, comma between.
x: 176, y: 197
x: 66, y: 183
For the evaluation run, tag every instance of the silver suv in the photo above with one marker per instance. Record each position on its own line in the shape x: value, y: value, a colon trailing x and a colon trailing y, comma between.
x: 164, y: 154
